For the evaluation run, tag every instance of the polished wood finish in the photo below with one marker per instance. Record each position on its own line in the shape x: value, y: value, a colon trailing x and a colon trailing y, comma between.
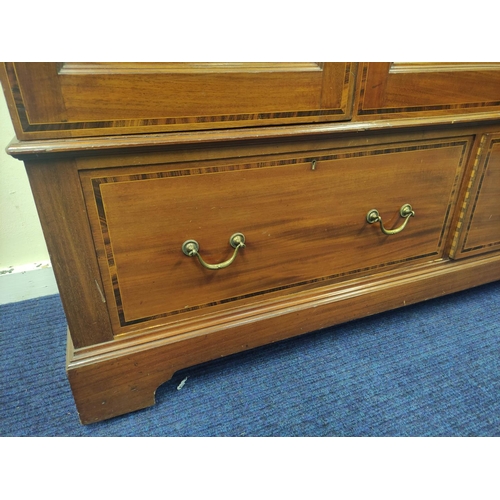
x: 405, y: 89
x: 143, y: 143
x: 479, y: 226
x: 113, y: 381
x: 302, y: 238
x: 149, y: 155
x: 89, y: 99
x: 59, y: 201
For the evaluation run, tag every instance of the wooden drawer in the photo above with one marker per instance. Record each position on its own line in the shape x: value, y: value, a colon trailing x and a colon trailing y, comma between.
x: 54, y: 100
x: 303, y: 217
x: 479, y: 226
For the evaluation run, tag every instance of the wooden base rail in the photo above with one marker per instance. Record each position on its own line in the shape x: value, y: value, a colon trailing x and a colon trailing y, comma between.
x: 109, y: 380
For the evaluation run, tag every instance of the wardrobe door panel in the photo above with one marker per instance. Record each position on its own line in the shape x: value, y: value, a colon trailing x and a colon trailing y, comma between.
x: 428, y: 89
x: 50, y: 100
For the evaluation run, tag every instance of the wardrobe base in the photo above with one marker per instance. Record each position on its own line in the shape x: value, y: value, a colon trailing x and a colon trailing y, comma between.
x: 122, y: 376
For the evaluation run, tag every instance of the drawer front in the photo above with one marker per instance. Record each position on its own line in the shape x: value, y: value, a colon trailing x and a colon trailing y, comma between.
x: 304, y: 219
x: 479, y: 226
x: 51, y: 100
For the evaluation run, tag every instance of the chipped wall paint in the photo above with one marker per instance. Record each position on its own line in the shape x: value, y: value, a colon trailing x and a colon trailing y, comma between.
x: 21, y: 237
x: 27, y: 282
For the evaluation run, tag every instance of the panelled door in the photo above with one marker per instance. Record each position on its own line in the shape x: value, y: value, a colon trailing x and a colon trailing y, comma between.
x: 407, y: 89
x: 73, y: 99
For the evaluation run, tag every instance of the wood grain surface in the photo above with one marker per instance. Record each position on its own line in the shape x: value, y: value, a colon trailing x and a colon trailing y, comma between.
x: 403, y: 89
x: 127, y: 161
x: 303, y: 226
x: 51, y: 100
x: 479, y: 226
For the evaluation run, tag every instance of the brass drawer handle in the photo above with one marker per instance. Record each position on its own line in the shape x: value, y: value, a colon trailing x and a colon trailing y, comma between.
x: 191, y: 249
x: 405, y: 211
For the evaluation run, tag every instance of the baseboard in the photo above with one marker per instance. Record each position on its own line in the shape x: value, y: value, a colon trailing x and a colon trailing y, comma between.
x: 27, y: 282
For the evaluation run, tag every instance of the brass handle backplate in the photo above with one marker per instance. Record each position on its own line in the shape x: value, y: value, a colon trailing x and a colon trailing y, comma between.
x: 405, y: 211
x: 191, y: 248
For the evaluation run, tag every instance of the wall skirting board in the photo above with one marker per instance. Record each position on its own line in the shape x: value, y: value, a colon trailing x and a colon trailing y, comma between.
x: 27, y: 282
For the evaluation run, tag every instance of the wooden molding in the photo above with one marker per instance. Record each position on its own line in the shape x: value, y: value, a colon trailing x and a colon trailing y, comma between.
x: 123, y: 376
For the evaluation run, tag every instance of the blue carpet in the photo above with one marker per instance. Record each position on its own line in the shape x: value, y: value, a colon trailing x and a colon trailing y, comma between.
x: 431, y: 369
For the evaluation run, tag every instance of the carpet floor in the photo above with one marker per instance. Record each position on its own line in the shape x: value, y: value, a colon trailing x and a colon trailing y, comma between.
x: 431, y: 369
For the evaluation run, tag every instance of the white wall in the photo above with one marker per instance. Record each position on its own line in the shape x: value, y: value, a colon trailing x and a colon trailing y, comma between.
x: 25, y: 270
